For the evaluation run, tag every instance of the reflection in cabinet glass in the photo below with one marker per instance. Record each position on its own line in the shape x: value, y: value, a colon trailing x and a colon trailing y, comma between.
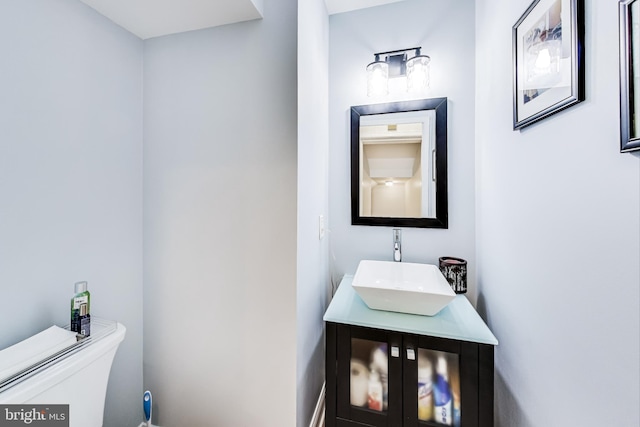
x: 369, y: 374
x: 439, y: 387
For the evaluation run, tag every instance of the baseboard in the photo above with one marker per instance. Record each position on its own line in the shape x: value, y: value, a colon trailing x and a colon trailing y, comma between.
x: 318, y: 414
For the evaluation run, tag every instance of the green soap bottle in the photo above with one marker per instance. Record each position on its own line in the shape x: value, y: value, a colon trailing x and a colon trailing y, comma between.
x: 80, y: 309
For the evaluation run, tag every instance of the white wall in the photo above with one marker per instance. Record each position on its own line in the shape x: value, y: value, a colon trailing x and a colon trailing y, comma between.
x: 71, y: 179
x: 558, y: 218
x: 313, y: 151
x: 220, y: 223
x: 445, y: 30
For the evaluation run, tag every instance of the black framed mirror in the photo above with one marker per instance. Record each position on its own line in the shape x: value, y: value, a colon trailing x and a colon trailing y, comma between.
x: 399, y: 164
x: 629, y: 75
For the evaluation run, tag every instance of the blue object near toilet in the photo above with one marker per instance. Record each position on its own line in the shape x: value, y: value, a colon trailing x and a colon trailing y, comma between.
x: 146, y: 405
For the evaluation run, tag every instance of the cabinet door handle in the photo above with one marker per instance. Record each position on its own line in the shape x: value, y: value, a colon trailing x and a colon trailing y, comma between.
x: 395, y: 351
x: 411, y: 354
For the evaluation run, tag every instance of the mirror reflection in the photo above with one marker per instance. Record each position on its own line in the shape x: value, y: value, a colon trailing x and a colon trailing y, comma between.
x: 399, y: 164
x: 396, y: 176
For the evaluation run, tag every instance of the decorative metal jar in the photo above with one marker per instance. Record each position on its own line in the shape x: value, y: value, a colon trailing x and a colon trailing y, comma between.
x: 455, y: 271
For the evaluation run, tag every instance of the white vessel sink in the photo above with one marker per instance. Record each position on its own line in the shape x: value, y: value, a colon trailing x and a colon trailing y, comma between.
x: 402, y: 287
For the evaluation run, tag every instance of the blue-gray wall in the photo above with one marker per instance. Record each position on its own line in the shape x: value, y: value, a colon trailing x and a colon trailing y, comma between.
x: 558, y: 218
x: 71, y: 178
x: 445, y: 30
x: 220, y: 184
x: 313, y: 202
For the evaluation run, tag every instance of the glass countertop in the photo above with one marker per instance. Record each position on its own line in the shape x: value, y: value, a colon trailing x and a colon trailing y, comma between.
x: 458, y: 320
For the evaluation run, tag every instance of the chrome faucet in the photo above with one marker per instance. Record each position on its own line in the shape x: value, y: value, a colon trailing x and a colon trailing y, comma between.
x: 397, y: 245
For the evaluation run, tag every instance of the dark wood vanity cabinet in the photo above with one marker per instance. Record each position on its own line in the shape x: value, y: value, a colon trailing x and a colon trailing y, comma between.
x: 401, y: 370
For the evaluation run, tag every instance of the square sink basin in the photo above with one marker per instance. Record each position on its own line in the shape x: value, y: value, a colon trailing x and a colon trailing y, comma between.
x: 403, y: 287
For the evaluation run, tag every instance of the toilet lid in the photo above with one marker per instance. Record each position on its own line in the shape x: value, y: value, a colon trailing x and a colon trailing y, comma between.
x: 33, y: 350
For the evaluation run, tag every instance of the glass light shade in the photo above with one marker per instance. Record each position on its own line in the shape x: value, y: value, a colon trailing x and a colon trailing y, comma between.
x: 377, y: 78
x: 418, y: 77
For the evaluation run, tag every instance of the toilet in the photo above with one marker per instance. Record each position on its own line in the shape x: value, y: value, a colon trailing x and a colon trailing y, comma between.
x: 76, y: 375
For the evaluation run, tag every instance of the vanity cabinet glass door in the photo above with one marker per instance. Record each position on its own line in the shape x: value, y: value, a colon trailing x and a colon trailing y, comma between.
x: 369, y: 372
x: 386, y: 378
x: 442, y: 383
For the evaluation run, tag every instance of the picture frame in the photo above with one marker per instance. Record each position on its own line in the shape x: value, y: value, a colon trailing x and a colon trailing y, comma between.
x: 629, y: 21
x: 548, y: 60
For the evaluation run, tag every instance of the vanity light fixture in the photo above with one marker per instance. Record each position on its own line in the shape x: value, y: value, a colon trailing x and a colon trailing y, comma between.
x: 396, y: 64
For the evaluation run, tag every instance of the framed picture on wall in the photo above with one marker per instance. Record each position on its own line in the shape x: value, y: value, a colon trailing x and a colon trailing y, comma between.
x: 548, y: 60
x: 629, y: 22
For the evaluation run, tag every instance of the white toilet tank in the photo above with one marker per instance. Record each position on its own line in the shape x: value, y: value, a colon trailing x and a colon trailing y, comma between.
x: 75, y: 374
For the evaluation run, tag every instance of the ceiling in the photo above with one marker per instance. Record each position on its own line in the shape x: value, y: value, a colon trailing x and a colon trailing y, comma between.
x: 339, y: 6
x: 154, y: 18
